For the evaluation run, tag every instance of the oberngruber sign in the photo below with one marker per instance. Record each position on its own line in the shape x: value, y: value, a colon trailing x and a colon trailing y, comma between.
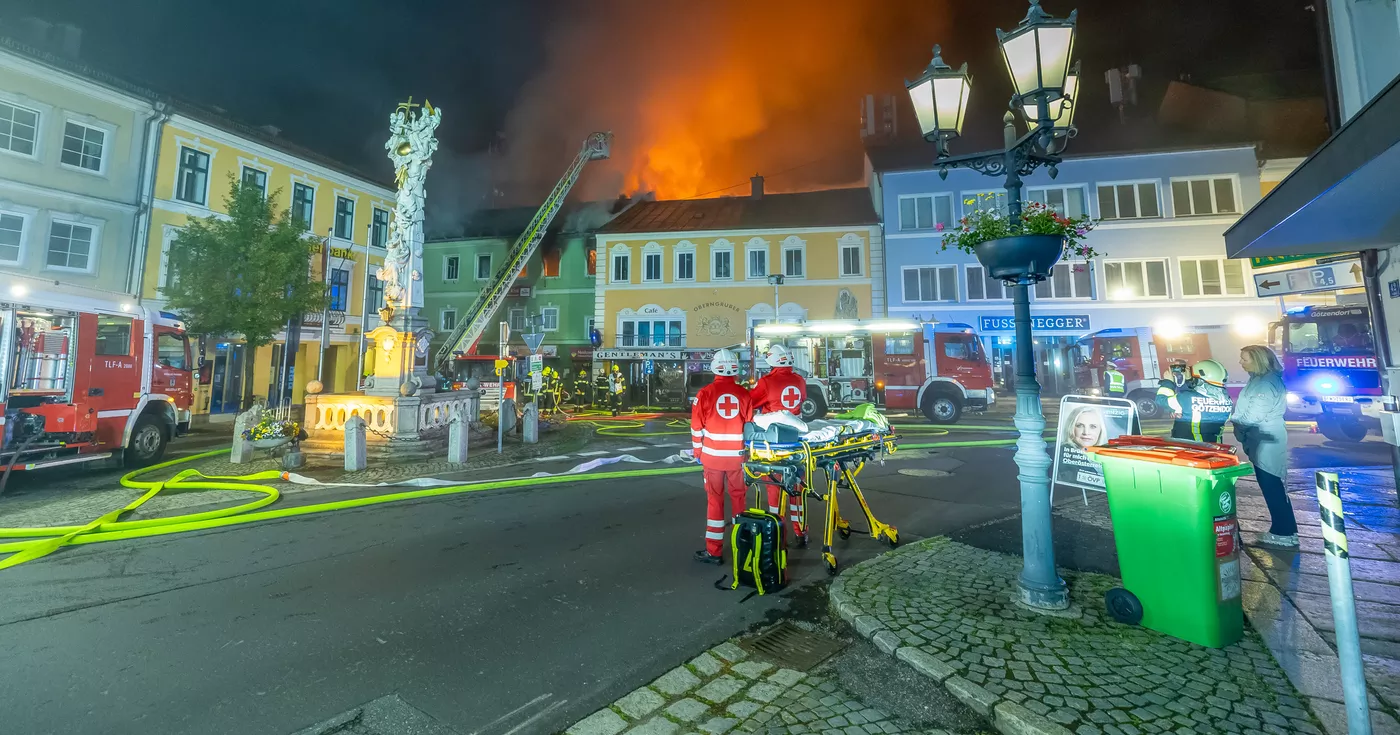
x: 1038, y: 321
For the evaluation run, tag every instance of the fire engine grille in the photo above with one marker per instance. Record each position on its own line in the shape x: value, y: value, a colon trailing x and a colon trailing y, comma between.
x: 790, y: 646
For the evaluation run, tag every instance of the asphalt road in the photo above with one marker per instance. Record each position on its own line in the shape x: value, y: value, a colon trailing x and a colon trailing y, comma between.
x: 500, y: 612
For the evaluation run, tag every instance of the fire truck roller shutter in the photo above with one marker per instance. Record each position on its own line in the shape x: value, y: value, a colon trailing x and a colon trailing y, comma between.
x: 942, y: 402
x: 148, y: 434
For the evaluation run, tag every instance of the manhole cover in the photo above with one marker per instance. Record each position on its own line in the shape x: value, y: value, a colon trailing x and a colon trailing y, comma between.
x: 918, y: 472
x: 790, y: 646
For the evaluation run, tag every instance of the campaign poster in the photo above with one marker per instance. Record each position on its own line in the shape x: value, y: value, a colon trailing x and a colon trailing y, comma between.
x: 1088, y: 421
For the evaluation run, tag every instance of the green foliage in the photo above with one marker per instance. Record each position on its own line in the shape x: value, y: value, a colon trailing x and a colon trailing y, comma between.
x: 991, y: 223
x: 246, y: 274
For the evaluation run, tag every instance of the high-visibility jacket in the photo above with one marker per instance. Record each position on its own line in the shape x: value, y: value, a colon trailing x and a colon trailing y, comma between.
x: 780, y: 390
x: 717, y: 424
x: 1113, y: 382
x: 617, y: 383
x: 581, y: 385
x: 1205, y: 408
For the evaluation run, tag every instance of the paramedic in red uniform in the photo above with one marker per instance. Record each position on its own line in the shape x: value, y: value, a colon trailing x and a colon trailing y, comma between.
x: 782, y: 390
x: 717, y: 435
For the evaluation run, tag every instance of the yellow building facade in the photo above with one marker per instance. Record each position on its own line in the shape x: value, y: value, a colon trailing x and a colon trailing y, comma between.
x: 198, y: 157
x: 678, y: 279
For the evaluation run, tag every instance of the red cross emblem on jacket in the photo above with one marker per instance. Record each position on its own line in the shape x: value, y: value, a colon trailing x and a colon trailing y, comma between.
x: 780, y: 390
x: 717, y: 424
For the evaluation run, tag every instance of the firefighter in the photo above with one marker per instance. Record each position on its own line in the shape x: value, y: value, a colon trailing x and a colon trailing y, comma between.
x: 1205, y: 405
x: 581, y: 387
x: 717, y: 437
x: 600, y: 388
x: 1169, y: 385
x: 551, y: 386
x: 617, y: 386
x: 1114, y: 384
x: 782, y: 390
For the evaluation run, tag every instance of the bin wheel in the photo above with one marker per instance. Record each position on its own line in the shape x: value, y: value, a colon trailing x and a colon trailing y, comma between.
x: 892, y: 538
x: 845, y: 532
x: 1123, y: 606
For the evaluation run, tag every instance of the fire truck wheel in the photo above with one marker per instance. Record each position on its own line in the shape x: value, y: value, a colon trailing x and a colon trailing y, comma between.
x: 942, y: 408
x: 147, y: 443
x: 1342, y: 431
x: 1147, y: 406
x: 813, y: 408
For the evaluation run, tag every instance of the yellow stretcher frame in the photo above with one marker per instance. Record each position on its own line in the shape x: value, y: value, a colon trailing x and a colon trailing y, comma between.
x: 795, y: 465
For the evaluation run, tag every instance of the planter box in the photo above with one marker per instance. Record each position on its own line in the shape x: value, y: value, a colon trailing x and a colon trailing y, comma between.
x: 1021, y: 257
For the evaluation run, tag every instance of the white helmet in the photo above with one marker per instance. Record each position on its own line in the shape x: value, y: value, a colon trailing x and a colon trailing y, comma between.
x: 778, y: 356
x: 725, y: 362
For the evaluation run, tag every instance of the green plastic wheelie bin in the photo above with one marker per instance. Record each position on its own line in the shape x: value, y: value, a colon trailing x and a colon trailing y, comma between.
x: 1173, y: 509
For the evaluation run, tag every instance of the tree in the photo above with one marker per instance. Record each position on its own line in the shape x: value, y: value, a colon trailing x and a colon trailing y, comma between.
x: 245, y: 274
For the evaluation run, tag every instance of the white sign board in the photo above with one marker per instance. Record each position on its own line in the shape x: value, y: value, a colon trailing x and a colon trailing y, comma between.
x: 536, y: 363
x: 1330, y: 277
x: 638, y: 355
x: 1087, y: 421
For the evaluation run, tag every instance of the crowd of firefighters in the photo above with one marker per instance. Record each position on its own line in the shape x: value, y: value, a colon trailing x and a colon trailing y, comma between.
x: 607, y: 392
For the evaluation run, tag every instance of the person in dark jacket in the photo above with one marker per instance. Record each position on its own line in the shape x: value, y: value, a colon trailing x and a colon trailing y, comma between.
x: 1205, y: 405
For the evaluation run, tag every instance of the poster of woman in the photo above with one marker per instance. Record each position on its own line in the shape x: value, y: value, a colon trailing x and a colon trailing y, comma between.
x: 1085, y: 422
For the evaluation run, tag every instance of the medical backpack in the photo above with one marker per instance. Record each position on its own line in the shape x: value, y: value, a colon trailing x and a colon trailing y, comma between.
x: 758, y: 548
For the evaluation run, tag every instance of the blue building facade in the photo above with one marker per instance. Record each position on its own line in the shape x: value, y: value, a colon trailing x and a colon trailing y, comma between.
x: 1161, y: 260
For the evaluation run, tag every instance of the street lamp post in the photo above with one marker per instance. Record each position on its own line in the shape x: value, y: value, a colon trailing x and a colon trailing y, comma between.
x: 1037, y: 55
x: 777, y: 280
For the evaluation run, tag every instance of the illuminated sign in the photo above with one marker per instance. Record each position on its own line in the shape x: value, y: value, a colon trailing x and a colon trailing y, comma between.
x: 1078, y: 322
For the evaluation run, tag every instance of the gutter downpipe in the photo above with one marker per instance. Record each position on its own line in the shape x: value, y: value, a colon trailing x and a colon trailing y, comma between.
x: 141, y: 233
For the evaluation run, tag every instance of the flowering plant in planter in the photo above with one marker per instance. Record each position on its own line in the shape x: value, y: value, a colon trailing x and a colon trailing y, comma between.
x: 991, y: 222
x: 270, y: 426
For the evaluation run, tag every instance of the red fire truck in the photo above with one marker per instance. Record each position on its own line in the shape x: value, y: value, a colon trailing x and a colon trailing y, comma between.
x: 1330, y: 369
x: 1142, y: 357
x: 940, y: 370
x: 88, y: 380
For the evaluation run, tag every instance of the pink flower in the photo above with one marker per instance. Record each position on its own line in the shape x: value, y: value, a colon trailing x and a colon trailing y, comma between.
x: 939, y: 227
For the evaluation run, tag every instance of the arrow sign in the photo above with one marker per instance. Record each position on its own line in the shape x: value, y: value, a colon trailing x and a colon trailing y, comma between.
x: 533, y: 340
x: 1331, y: 277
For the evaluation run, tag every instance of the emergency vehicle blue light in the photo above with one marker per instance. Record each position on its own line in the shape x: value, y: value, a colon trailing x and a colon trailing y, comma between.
x: 1298, y: 310
x: 1327, y: 384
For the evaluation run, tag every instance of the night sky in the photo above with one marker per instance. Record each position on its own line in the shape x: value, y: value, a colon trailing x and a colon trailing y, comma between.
x: 700, y: 95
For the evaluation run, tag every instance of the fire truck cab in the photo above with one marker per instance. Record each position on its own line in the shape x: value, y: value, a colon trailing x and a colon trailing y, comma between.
x: 1330, y: 369
x: 940, y: 370
x: 86, y: 380
x: 1142, y: 357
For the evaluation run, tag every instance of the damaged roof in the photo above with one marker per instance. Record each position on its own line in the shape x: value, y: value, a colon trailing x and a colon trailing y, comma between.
x: 826, y: 208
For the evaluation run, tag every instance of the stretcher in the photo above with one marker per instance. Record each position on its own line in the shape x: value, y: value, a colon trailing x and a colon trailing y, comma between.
x: 795, y: 466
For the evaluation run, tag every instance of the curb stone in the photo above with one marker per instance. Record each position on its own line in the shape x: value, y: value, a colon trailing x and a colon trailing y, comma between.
x: 1013, y: 719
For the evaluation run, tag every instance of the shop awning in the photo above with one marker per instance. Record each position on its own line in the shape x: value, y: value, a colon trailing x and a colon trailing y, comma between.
x: 1345, y: 197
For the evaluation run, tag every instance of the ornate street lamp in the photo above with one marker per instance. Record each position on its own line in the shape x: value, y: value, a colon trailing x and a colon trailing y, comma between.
x: 1037, y: 55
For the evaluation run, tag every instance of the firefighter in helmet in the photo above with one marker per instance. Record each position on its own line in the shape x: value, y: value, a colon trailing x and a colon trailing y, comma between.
x: 1169, y: 385
x: 581, y: 387
x: 716, y: 436
x: 1205, y: 405
x: 617, y: 388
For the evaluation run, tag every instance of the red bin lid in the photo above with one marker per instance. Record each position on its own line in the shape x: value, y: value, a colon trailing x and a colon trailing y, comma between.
x: 1196, y: 455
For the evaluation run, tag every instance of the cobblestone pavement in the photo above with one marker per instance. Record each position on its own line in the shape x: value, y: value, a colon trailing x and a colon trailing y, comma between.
x: 723, y: 690
x: 947, y: 610
x: 1286, y: 595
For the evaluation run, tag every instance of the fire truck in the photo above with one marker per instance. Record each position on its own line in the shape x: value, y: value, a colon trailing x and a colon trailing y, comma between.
x: 937, y: 369
x: 1142, y: 357
x: 1330, y: 369
x: 88, y: 380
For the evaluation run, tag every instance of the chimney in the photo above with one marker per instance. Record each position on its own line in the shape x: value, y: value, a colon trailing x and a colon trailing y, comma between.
x: 757, y: 182
x: 68, y: 39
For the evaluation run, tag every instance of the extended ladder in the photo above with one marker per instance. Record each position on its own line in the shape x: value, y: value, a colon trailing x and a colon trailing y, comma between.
x: 469, y: 329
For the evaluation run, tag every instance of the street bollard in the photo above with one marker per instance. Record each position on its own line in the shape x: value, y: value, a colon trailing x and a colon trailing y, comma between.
x: 473, y: 401
x: 242, y: 446
x: 458, y: 434
x: 531, y: 432
x: 355, y: 454
x: 1334, y: 541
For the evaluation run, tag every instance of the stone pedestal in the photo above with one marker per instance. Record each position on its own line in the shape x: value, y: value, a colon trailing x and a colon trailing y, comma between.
x: 531, y: 421
x: 506, y: 415
x: 243, y: 448
x: 397, y: 428
x: 473, y: 401
x: 356, y: 458
x: 399, y: 347
x: 458, y: 438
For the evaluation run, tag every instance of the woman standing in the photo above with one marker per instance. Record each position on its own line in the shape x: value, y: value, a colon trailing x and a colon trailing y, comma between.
x: 1259, y: 426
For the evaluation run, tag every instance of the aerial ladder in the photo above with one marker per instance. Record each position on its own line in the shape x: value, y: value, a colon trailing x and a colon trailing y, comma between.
x: 469, y: 329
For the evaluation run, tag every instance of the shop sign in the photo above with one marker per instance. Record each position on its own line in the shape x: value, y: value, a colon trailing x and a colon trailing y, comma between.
x: 700, y: 355
x: 1267, y: 261
x: 519, y: 291
x: 342, y: 253
x: 545, y: 350
x: 637, y: 354
x: 1075, y: 322
x: 582, y: 354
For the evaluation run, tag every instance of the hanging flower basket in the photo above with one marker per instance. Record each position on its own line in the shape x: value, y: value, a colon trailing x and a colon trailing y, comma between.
x: 1022, y: 248
x: 272, y: 430
x: 271, y: 442
x: 1020, y: 256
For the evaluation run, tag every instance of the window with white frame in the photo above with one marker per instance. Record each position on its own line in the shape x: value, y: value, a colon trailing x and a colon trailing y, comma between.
x: 303, y: 203
x: 930, y: 283
x: 19, y: 129
x: 982, y: 288
x: 925, y: 212
x: 70, y: 246
x: 1067, y: 281
x: 376, y: 292
x: 449, y: 320
x: 756, y: 256
x: 340, y: 288
x: 1068, y: 201
x: 1204, y: 196
x: 1136, y: 279
x: 982, y: 201
x: 589, y: 323
x: 649, y: 332
x: 852, y: 247
x: 517, y: 321
x: 379, y: 227
x: 1129, y: 200
x: 11, y: 236
x: 652, y: 254
x: 451, y: 268
x: 685, y: 261
x: 622, y: 265
x: 192, y: 178
x: 83, y: 146
x: 256, y: 178
x: 344, y: 218
x: 721, y: 261
x: 794, y: 250
x: 1212, y: 277
x: 549, y: 319
x: 483, y: 266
